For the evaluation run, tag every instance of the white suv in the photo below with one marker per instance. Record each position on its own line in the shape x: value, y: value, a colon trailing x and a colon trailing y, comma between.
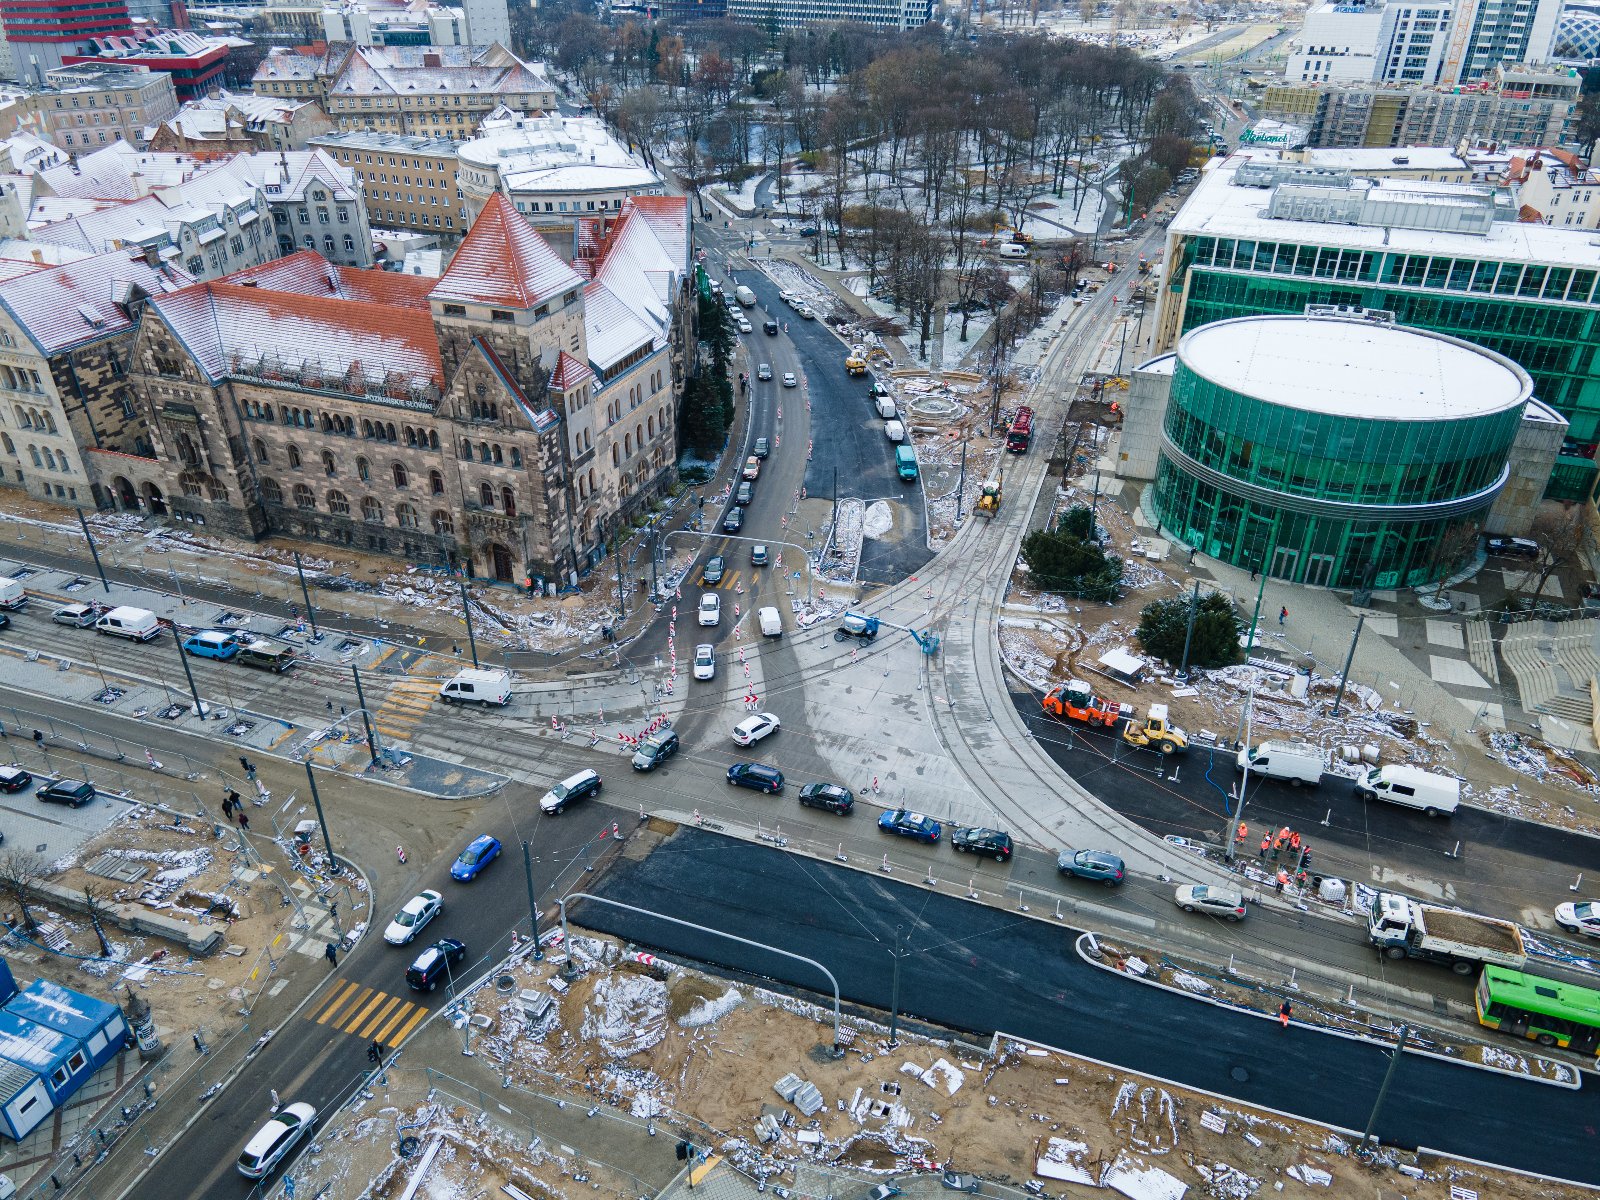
x: 275, y: 1139
x: 710, y: 609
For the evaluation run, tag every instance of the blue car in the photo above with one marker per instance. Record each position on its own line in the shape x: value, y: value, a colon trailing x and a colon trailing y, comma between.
x: 905, y: 823
x: 483, y: 851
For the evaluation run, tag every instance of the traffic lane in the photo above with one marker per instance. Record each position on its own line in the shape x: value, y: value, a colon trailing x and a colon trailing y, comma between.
x: 1528, y: 856
x: 973, y: 968
x: 319, y: 1063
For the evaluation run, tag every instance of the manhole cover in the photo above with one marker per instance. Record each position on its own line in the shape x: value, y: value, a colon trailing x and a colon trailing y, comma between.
x: 505, y: 983
x: 1239, y: 1075
x: 408, y: 1146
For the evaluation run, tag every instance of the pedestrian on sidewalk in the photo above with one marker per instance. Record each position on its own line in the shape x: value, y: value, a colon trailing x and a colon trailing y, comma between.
x: 249, y: 768
x: 1285, y: 1011
x: 276, y: 1103
x: 244, y: 820
x: 375, y: 1051
x: 331, y: 953
x: 233, y: 801
x: 1283, y: 615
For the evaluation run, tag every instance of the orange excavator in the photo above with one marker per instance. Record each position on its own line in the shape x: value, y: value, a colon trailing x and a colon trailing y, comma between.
x: 1073, y: 701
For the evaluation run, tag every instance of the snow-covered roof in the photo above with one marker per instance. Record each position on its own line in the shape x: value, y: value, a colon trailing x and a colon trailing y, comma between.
x: 436, y: 70
x: 32, y: 1045
x: 119, y: 172
x: 307, y: 273
x: 503, y: 261
x: 1393, y: 158
x: 638, y: 264
x: 74, y: 1013
x: 555, y: 154
x: 569, y: 373
x: 615, y: 329
x: 1354, y: 368
x: 282, y: 63
x: 65, y: 306
x: 30, y: 153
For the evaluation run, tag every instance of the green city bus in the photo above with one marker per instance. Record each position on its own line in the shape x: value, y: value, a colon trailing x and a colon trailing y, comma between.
x: 1549, y: 1012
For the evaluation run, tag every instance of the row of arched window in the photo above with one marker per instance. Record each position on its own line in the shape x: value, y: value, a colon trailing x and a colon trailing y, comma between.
x: 34, y: 418
x: 370, y: 508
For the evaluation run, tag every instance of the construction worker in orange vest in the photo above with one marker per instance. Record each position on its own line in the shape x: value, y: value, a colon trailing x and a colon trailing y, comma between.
x: 1244, y: 833
x: 1266, y: 844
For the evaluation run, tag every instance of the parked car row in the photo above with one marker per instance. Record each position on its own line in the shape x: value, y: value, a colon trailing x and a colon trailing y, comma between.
x: 142, y: 625
x: 74, y: 793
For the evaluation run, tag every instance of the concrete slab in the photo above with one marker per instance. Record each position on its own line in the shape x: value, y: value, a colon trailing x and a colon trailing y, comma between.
x: 1487, y: 713
x: 1383, y: 624
x: 1455, y: 671
x: 1523, y: 581
x: 1446, y: 633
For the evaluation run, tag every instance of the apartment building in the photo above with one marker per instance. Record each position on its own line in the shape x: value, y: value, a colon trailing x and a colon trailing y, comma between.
x: 83, y: 108
x: 408, y: 182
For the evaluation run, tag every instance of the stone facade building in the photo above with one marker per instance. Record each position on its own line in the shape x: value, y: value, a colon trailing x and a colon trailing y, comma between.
x: 504, y: 419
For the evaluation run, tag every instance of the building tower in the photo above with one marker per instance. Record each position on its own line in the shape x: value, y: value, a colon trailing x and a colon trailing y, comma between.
x: 488, y: 21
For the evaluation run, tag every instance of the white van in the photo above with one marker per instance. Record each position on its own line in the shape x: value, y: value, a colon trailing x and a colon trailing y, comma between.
x: 771, y: 622
x: 894, y: 431
x: 11, y: 594
x: 1013, y: 250
x: 886, y: 408
x: 1295, y: 763
x: 1436, y: 795
x: 477, y: 687
x: 140, y: 624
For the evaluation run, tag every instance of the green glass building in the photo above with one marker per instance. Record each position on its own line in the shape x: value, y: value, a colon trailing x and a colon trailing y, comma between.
x: 1333, y: 451
x: 1449, y: 258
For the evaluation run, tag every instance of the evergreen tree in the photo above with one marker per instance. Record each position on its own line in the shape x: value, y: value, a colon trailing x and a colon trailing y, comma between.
x: 1164, y: 624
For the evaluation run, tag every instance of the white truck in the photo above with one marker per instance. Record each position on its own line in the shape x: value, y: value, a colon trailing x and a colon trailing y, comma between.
x: 1436, y: 795
x: 771, y: 622
x: 136, y: 624
x: 744, y: 296
x: 1401, y: 928
x: 477, y: 687
x: 1295, y: 763
x: 12, y: 594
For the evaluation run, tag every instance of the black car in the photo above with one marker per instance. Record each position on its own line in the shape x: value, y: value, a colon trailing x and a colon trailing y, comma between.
x: 1514, y: 547
x: 713, y: 570
x: 991, y: 843
x: 655, y: 750
x: 762, y: 448
x: 76, y: 792
x: 5, y: 621
x: 808, y: 231
x: 733, y: 520
x: 14, y: 779
x: 744, y: 493
x: 435, y: 964
x: 770, y: 328
x: 829, y: 797
x: 757, y: 777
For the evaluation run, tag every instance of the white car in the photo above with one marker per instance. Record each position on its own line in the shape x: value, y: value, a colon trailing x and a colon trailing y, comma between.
x: 275, y: 1139
x: 408, y: 922
x: 789, y: 380
x: 745, y: 326
x: 1580, y: 917
x: 752, y: 729
x: 705, y: 661
x: 1224, y: 902
x: 710, y: 609
x: 805, y: 311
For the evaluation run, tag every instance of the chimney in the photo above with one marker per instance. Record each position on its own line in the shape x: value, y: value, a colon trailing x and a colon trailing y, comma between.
x: 152, y: 255
x: 430, y: 58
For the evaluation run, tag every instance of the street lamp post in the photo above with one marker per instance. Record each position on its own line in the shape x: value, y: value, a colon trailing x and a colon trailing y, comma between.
x: 897, y: 952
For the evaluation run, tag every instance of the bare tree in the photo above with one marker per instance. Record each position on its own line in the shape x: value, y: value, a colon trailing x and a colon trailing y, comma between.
x: 19, y: 871
x: 96, y: 909
x: 1562, y: 533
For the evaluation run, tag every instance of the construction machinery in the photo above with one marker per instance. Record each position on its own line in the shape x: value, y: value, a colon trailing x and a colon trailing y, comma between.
x: 855, y: 366
x: 1156, y: 732
x: 989, y: 498
x: 1019, y: 434
x: 1073, y: 701
x: 865, y: 628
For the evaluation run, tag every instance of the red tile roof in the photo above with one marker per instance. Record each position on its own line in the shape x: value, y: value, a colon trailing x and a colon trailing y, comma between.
x: 307, y: 273
x: 569, y: 373
x: 503, y: 261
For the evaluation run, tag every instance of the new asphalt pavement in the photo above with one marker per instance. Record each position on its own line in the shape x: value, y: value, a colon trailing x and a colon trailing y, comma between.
x: 981, y: 969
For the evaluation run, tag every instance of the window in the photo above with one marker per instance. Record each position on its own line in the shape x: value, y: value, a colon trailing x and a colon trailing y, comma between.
x: 508, y: 501
x: 328, y: 464
x: 371, y: 510
x: 363, y: 470
x: 294, y: 457
x: 443, y: 524
x: 400, y: 478
x: 349, y: 243
x: 435, y: 483
x: 303, y: 497
x: 486, y: 495
x: 338, y: 504
x: 271, y: 492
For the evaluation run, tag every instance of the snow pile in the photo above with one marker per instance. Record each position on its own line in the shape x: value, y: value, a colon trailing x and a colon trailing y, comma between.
x: 1155, y: 1132
x: 709, y: 1012
x: 1064, y: 1159
x: 1310, y: 1176
x: 627, y: 1014
x: 1228, y: 1182
x: 1139, y: 1182
x: 877, y: 520
x: 1190, y: 983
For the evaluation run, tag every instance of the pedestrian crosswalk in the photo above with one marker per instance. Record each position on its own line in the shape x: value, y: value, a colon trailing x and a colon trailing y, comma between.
x: 734, y: 581
x: 367, y: 1013
x: 405, y: 706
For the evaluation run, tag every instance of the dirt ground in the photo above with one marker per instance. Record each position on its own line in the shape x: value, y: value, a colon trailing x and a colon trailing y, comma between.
x: 692, y: 1050
x: 190, y: 875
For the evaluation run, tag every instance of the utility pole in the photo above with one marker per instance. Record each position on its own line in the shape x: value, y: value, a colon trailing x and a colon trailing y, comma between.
x: 177, y: 640
x: 466, y: 612
x: 1188, y: 635
x: 1344, y: 675
x: 835, y: 506
x: 616, y: 555
x: 366, y: 721
x: 305, y: 594
x: 961, y: 480
x: 1228, y: 839
x: 533, y: 905
x: 1368, y: 1143
x: 316, y: 798
x: 894, y: 994
x: 93, y: 550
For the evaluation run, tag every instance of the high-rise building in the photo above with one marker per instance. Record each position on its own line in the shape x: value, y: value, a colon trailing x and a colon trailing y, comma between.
x: 488, y: 22
x: 1267, y: 237
x: 41, y: 31
x: 1486, y: 33
x: 796, y: 14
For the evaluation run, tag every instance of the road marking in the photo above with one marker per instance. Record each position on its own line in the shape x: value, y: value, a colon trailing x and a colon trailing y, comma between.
x: 704, y: 1169
x: 388, y: 1026
x: 376, y: 1020
x: 349, y: 990
x: 404, y: 1031
x: 351, y: 1023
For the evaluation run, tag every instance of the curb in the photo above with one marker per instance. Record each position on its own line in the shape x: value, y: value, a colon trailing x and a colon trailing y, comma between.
x: 1381, y: 1043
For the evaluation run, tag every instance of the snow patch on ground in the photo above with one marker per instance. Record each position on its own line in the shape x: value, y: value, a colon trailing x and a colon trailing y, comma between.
x: 708, y: 1012
x: 877, y: 520
x: 628, y: 1014
x: 1310, y: 1176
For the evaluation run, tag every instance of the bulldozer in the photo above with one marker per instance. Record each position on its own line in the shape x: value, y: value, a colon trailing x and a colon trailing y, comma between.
x: 1073, y: 701
x: 989, y: 498
x: 1156, y: 732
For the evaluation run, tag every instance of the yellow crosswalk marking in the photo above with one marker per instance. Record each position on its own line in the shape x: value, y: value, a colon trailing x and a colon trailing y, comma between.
x: 404, y: 1031
x: 371, y: 1026
x: 400, y: 1015
x: 349, y: 992
x: 704, y: 1169
x: 350, y: 1024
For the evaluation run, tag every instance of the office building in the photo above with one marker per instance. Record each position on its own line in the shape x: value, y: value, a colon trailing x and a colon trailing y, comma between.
x: 1525, y: 106
x: 409, y: 182
x: 227, y: 123
x: 1577, y: 36
x: 1266, y: 237
x: 86, y: 107
x: 797, y: 14
x: 39, y: 32
x: 195, y: 61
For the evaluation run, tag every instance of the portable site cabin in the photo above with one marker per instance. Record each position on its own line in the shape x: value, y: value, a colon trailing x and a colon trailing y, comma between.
x: 52, y: 1040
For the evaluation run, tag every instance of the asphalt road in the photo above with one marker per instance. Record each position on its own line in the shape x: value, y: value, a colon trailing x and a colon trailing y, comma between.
x: 319, y: 1055
x: 848, y: 448
x: 975, y: 969
x: 1502, y: 861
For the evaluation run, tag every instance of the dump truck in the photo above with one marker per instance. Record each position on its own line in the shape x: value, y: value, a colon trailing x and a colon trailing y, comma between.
x: 1401, y: 928
x: 989, y: 498
x: 1073, y: 701
x: 1156, y: 732
x: 855, y: 366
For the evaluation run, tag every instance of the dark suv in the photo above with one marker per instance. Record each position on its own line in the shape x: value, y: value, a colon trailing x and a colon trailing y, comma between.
x: 655, y: 750
x: 829, y: 797
x: 991, y: 843
x: 435, y: 963
x: 76, y: 792
x: 1099, y: 865
x: 733, y: 520
x: 757, y: 776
